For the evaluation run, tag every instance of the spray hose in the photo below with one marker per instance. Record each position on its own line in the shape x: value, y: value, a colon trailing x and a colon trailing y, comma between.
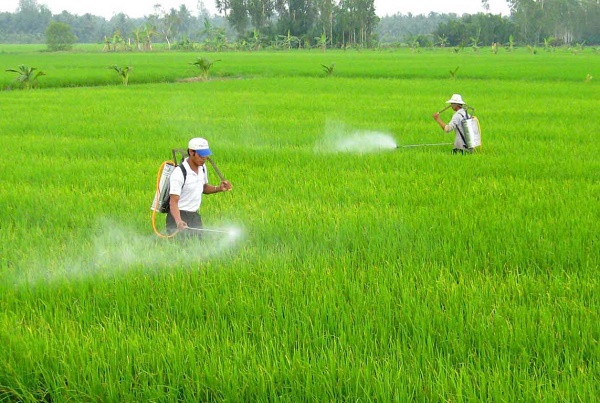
x: 155, y: 206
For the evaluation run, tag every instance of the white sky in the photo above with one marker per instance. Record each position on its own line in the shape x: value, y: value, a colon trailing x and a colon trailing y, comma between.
x: 140, y: 8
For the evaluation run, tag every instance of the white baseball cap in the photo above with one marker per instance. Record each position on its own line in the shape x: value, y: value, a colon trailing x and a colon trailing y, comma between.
x: 456, y: 99
x: 200, y: 145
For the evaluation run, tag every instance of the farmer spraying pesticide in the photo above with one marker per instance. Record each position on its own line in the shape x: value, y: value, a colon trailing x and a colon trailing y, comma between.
x: 466, y: 127
x: 186, y: 194
x: 185, y: 184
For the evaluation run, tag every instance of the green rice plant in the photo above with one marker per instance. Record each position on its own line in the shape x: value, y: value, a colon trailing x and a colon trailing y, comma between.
x: 90, y: 60
x: 27, y: 77
x: 123, y: 72
x: 390, y: 275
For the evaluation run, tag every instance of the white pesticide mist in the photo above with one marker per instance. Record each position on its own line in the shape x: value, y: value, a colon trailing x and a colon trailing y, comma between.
x: 339, y: 139
x: 114, y: 250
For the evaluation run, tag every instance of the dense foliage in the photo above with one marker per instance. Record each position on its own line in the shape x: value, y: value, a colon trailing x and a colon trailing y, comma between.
x: 59, y: 36
x: 257, y: 24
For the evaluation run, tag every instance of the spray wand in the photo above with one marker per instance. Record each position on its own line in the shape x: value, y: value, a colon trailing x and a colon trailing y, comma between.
x: 424, y: 145
x: 445, y: 108
x: 427, y: 144
x: 209, y: 230
x: 221, y: 176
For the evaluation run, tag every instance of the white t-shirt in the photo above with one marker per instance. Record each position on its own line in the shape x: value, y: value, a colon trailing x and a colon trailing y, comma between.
x: 190, y: 193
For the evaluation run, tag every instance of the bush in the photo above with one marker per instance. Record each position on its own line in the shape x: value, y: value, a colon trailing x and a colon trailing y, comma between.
x: 59, y: 36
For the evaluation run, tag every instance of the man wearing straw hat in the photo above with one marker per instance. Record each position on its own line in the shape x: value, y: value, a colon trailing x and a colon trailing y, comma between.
x: 456, y: 103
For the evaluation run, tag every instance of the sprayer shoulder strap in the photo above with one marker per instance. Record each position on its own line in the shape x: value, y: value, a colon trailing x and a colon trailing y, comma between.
x: 460, y: 131
x: 183, y: 171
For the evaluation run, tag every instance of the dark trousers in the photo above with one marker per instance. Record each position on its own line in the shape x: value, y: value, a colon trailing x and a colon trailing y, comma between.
x: 191, y: 218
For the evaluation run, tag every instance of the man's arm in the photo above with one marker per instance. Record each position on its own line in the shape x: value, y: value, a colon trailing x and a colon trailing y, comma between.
x: 210, y: 189
x: 174, y: 208
x: 440, y: 122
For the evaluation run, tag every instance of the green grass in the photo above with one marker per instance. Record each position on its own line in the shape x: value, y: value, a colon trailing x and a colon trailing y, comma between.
x: 407, y: 274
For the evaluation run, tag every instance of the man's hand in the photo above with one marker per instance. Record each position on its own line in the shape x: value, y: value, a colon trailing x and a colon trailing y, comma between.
x: 225, y: 186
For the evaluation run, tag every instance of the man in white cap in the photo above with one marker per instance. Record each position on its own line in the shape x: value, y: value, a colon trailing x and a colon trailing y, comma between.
x: 186, y: 188
x: 456, y: 103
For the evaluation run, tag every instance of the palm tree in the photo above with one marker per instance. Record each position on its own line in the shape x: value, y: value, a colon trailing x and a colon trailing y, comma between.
x: 27, y: 77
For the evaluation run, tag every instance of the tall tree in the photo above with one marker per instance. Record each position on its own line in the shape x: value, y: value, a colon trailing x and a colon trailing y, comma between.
x: 223, y: 6
x: 260, y: 12
x: 31, y: 17
x: 238, y: 16
x: 358, y: 21
x: 185, y: 21
x: 565, y: 20
x: 325, y: 16
x: 122, y: 24
x: 299, y: 17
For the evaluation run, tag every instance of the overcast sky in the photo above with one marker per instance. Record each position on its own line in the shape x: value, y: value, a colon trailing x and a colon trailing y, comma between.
x: 140, y: 8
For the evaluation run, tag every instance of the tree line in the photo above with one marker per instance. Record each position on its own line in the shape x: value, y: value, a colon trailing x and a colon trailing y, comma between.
x: 255, y: 24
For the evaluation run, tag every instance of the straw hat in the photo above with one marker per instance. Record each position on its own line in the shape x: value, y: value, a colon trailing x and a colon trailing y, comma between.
x: 456, y: 99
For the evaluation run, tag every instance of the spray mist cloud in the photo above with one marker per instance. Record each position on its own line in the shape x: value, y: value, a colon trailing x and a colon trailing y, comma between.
x: 338, y: 139
x: 115, y: 249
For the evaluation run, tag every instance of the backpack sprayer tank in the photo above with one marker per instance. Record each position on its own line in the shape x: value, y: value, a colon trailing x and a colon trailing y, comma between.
x: 162, y: 187
x: 472, y: 132
x: 161, y: 197
x: 160, y: 204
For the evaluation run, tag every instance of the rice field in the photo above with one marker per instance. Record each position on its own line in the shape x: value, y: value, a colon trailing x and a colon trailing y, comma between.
x: 359, y: 272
